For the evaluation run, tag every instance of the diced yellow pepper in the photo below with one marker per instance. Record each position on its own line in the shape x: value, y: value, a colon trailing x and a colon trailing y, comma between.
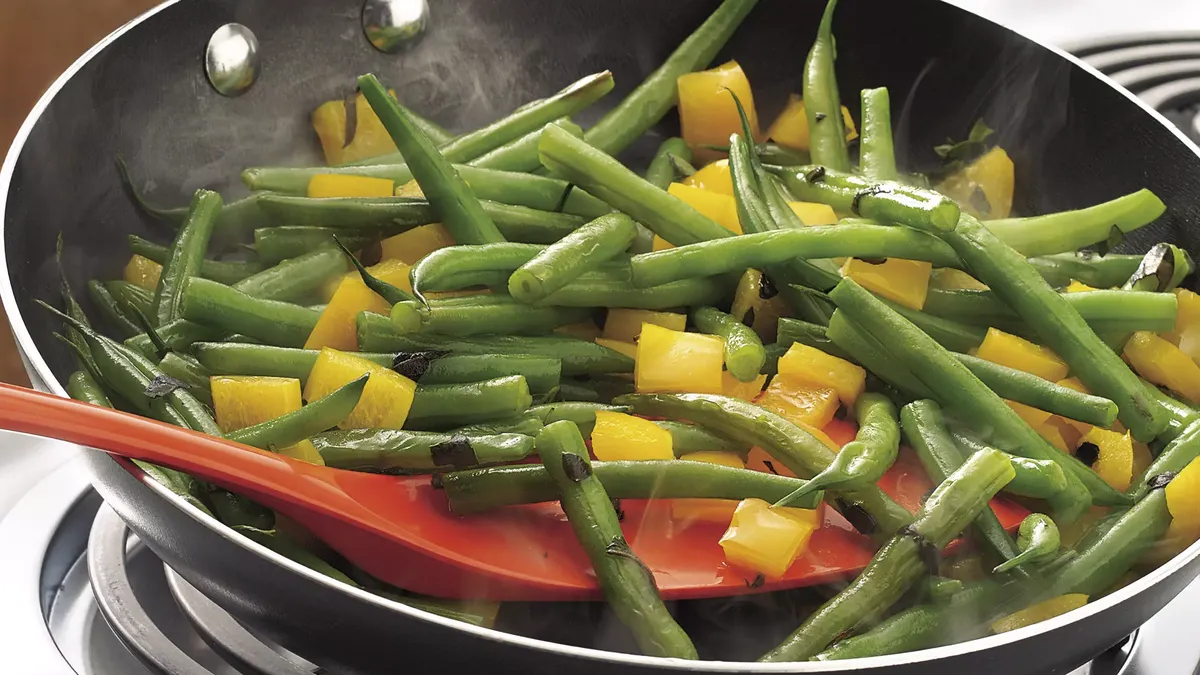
x: 241, y: 402
x: 707, y: 113
x: 790, y: 129
x: 627, y: 348
x: 370, y: 138
x: 1186, y: 333
x: 1142, y: 457
x: 1163, y: 363
x: 951, y: 279
x: 144, y: 272
x: 1183, y: 497
x: 1079, y: 287
x: 984, y: 188
x: 410, y: 189
x: 620, y: 437
x: 807, y: 365
x: 751, y: 308
x: 325, y: 185
x: 588, y: 330
x: 814, y: 214
x: 707, y: 510
x: 763, y: 539
x: 1032, y: 416
x: 902, y: 281
x: 718, y: 207
x: 674, y: 361
x: 411, y: 246
x: 1040, y: 612
x: 714, y: 177
x: 1114, y: 463
x: 800, y: 403
x: 1054, y: 434
x: 626, y: 324
x: 336, y: 327
x: 1021, y: 354
x: 735, y: 388
x: 385, y: 400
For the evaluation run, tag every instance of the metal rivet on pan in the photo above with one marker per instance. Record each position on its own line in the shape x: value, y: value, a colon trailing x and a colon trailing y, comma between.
x: 231, y: 59
x: 391, y: 24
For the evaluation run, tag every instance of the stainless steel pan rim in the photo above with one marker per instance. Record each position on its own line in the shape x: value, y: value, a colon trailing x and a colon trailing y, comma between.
x: 43, y: 377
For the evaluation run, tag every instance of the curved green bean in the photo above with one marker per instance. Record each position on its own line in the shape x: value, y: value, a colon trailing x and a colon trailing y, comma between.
x: 395, y: 450
x: 185, y: 255
x: 278, y: 323
x: 744, y: 352
x: 876, y: 155
x: 587, y: 248
x: 313, y: 418
x: 822, y: 106
x: 446, y: 406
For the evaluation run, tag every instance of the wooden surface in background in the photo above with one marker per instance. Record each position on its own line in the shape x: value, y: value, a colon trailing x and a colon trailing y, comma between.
x: 38, y: 40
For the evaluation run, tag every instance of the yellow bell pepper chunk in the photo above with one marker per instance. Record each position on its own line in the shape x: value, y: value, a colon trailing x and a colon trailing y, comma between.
x: 336, y: 326
x: 1032, y: 416
x: 707, y: 113
x: 718, y: 207
x: 626, y: 324
x: 1079, y: 287
x: 410, y: 189
x: 814, y: 214
x: 749, y: 306
x: 409, y: 247
x: 370, y: 138
x: 763, y: 539
x: 806, y: 365
x: 735, y: 388
x: 1186, y: 333
x: 790, y: 129
x: 325, y: 185
x: 674, y: 361
x: 144, y: 272
x: 385, y: 400
x: 1053, y: 433
x: 707, y: 510
x: 951, y: 279
x: 1114, y: 461
x: 627, y: 348
x: 1040, y: 612
x: 800, y: 403
x: 1021, y: 354
x: 588, y: 330
x: 984, y: 188
x: 1163, y: 363
x: 902, y: 281
x: 714, y: 177
x: 1142, y: 457
x: 241, y: 402
x: 620, y: 437
x: 1183, y: 496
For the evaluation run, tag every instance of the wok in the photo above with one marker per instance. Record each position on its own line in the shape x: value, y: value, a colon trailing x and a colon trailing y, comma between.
x: 1075, y: 138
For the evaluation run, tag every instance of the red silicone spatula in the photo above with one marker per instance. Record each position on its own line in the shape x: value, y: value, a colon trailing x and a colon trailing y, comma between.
x: 398, y: 529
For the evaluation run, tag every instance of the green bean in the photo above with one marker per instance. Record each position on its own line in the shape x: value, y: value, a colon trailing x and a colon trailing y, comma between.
x: 456, y: 206
x: 1068, y: 231
x: 688, y: 438
x: 864, y: 460
x: 521, y: 224
x: 876, y: 154
x: 237, y: 511
x: 446, y: 406
x: 177, y: 335
x: 113, y: 313
x: 952, y: 335
x: 1038, y: 541
x: 226, y: 272
x: 478, y: 490
x: 235, y: 220
x: 1139, y: 311
x: 457, y: 267
x: 744, y: 353
x: 193, y: 375
x: 186, y: 254
x: 777, y: 247
x: 658, y: 93
x: 295, y: 279
x: 585, y: 249
x: 582, y: 414
x: 522, y: 154
x: 289, y: 429
x: 1034, y: 391
x: 601, y: 289
x: 278, y: 323
x: 82, y: 387
x: 802, y: 453
x: 526, y: 424
x: 628, y: 585
x: 1181, y: 415
x: 915, y: 628
x: 900, y: 563
x: 1037, y: 478
x: 822, y: 106
x: 541, y: 372
x: 389, y: 293
x: 661, y: 172
x: 524, y: 120
x: 275, y: 244
x: 1162, y: 269
x: 493, y: 315
x: 1174, y: 458
x: 604, y: 177
x: 195, y: 414
x: 810, y: 334
x: 1058, y: 325
x: 394, y: 450
x: 131, y: 298
x: 1087, y: 267
x: 885, y: 201
x: 953, y: 385
x: 288, y: 548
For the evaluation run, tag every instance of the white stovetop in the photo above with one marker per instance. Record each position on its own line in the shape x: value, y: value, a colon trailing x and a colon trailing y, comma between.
x: 1064, y: 23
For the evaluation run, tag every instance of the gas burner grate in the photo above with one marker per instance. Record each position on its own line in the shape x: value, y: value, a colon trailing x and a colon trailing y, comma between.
x: 1163, y: 70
